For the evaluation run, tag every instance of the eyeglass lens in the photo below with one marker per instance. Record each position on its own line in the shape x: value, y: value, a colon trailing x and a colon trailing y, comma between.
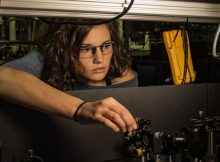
x: 89, y: 51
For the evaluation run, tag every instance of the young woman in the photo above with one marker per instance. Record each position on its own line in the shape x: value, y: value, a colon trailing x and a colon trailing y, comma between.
x: 72, y: 57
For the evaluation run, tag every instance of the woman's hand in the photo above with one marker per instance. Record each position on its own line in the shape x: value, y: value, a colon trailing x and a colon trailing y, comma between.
x: 108, y: 112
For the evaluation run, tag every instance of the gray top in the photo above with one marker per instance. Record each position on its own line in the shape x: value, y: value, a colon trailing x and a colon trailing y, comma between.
x: 33, y: 64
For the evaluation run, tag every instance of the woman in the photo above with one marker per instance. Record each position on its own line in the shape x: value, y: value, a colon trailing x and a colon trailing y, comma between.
x: 72, y: 57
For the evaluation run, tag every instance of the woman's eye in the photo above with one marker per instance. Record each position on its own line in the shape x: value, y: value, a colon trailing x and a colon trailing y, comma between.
x: 85, y: 49
x: 106, y: 46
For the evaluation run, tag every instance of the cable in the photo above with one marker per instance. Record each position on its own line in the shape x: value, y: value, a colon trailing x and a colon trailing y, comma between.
x: 174, y: 39
x: 214, y: 45
x: 185, y: 49
x: 186, y: 54
x: 92, y: 23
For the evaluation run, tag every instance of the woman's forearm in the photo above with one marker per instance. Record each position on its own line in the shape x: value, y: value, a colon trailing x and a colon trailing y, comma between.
x: 25, y: 89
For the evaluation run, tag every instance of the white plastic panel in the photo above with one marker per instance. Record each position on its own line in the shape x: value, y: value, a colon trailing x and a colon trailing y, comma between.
x: 141, y: 9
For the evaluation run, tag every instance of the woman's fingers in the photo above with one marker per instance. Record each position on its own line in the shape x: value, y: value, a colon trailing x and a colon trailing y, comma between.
x: 122, y: 113
x: 108, y: 123
x: 110, y: 113
x: 114, y: 118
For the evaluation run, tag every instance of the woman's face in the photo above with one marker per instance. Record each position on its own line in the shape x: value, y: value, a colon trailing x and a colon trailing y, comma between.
x: 93, y: 69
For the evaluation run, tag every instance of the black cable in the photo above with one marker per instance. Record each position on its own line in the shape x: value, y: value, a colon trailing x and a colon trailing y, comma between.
x: 92, y: 23
x: 174, y: 39
x: 186, y: 54
x: 185, y: 51
x: 187, y: 48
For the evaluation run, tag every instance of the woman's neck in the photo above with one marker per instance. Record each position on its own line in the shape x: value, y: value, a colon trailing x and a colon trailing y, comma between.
x: 97, y: 83
x: 90, y: 82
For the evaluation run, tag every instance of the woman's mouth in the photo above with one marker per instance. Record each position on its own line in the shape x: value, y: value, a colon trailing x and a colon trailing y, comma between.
x: 99, y: 70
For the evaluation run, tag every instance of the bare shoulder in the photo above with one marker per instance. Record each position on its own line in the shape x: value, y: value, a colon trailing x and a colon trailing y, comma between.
x: 128, y: 75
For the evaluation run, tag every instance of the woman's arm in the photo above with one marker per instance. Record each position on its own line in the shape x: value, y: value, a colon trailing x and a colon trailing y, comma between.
x: 25, y: 89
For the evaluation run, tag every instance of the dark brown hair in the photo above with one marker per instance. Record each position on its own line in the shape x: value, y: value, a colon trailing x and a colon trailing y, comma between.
x: 58, y: 44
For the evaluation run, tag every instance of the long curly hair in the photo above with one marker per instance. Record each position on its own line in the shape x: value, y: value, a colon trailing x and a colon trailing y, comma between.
x: 58, y: 43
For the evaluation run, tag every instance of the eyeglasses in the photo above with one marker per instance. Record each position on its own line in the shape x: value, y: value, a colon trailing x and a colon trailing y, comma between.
x: 88, y: 51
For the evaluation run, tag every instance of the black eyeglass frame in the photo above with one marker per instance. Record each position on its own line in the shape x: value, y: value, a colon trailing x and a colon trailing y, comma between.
x: 94, y: 48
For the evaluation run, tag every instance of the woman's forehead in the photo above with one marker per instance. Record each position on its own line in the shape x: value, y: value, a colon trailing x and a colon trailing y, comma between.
x: 98, y: 34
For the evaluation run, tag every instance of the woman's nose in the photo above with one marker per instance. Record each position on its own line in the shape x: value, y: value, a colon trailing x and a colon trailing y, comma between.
x: 98, y: 57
